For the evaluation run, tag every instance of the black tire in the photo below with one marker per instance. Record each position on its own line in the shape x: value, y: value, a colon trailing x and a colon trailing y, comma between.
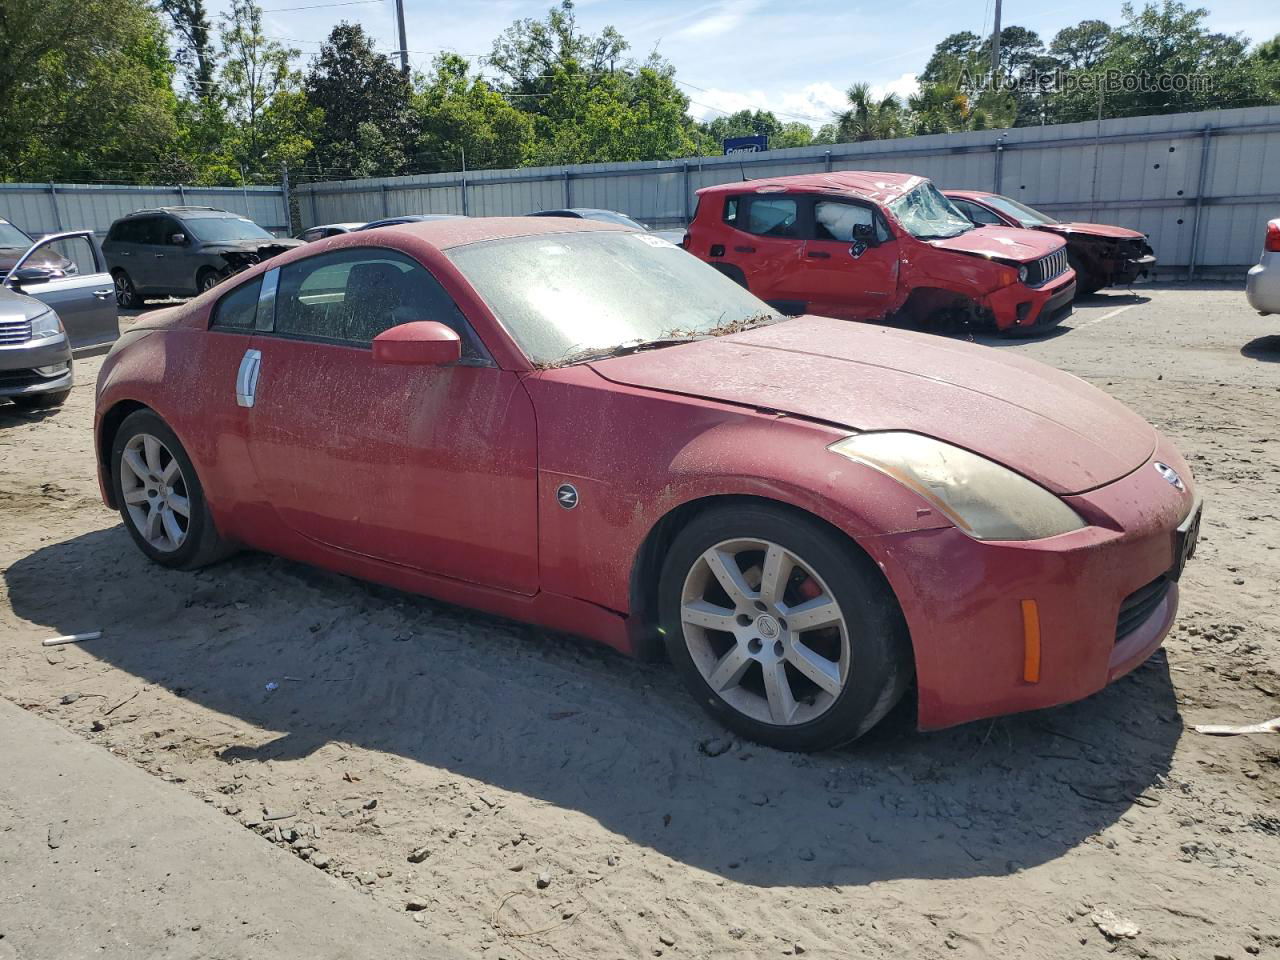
x: 126, y: 293
x: 206, y: 279
x: 203, y: 544
x: 881, y: 665
x: 40, y: 401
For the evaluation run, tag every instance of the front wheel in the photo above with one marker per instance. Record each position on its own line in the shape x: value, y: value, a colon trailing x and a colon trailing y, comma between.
x: 781, y: 628
x: 160, y: 497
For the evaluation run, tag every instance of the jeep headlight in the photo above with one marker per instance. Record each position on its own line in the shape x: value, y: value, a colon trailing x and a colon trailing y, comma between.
x: 984, y: 499
x: 45, y: 324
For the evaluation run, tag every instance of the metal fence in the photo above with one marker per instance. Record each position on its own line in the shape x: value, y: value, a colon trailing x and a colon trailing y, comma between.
x: 1203, y: 185
x: 40, y: 208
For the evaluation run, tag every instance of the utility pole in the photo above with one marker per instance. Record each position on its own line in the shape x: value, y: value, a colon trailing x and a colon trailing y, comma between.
x: 404, y: 52
x: 995, y: 47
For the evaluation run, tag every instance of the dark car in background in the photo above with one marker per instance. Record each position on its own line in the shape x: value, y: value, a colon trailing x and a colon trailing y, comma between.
x: 1100, y: 254
x: 677, y: 237
x: 42, y: 316
x: 182, y: 251
x: 14, y: 243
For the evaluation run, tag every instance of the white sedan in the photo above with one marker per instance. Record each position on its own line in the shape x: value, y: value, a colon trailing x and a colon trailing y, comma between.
x: 1263, y: 285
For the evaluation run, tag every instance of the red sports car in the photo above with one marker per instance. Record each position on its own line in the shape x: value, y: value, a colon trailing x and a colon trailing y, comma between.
x: 579, y: 425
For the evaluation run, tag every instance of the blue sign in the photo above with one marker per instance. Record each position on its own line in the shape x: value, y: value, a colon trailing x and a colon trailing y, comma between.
x: 746, y: 144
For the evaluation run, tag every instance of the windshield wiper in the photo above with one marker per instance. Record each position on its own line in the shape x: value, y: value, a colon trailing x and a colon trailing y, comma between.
x: 618, y: 350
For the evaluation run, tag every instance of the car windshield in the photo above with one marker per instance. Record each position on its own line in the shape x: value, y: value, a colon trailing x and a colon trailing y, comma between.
x: 1019, y: 211
x: 11, y: 236
x: 215, y: 229
x: 928, y: 215
x: 567, y: 298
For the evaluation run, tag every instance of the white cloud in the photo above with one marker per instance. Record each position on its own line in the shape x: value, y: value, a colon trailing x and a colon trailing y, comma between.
x: 813, y: 104
x: 725, y: 17
x: 905, y: 86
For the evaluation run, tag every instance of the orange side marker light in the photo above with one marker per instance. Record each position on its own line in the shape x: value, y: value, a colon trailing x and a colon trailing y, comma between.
x: 1030, y: 641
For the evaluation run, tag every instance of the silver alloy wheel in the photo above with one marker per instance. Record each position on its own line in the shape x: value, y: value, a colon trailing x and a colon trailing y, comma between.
x: 155, y: 492
x: 208, y: 280
x: 765, y: 632
x: 124, y: 290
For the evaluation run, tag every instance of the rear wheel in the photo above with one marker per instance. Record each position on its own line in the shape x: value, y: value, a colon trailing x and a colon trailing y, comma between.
x: 160, y: 497
x: 40, y: 401
x: 126, y: 294
x: 781, y: 629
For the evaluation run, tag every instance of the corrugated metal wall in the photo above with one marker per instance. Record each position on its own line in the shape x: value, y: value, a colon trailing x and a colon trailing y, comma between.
x: 47, y: 208
x: 1160, y: 175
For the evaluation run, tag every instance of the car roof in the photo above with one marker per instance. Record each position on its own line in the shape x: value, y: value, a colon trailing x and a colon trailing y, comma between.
x: 461, y: 231
x: 868, y: 184
x: 183, y: 211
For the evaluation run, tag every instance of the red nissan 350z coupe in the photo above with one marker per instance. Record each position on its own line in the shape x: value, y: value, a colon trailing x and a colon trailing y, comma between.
x: 581, y: 426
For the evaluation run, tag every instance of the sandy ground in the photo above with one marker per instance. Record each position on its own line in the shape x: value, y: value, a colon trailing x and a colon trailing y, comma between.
x: 546, y: 798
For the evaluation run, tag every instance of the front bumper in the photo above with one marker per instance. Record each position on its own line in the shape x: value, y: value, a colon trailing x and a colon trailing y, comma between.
x: 1129, y: 269
x: 1101, y: 606
x: 1019, y: 309
x: 19, y: 363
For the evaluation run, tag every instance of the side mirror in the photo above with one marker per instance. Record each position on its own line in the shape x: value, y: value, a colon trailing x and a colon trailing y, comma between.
x: 865, y: 234
x: 25, y: 275
x: 178, y: 239
x: 423, y: 343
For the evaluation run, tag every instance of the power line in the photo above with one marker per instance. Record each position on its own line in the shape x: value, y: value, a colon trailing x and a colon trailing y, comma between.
x: 321, y: 6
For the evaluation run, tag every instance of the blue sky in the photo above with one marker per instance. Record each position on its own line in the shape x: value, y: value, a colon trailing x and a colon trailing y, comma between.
x: 792, y: 57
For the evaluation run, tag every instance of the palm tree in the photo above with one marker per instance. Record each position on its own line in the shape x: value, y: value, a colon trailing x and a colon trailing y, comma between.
x: 868, y: 118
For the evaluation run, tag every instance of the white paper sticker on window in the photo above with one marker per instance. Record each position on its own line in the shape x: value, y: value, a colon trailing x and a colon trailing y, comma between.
x: 654, y: 241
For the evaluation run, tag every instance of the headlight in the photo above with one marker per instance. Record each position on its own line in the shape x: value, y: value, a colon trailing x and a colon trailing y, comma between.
x: 982, y: 498
x: 46, y: 324
x: 1023, y: 273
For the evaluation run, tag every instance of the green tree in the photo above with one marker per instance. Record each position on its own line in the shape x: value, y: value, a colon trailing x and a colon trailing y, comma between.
x: 85, y: 91
x: 194, y: 52
x: 256, y: 71
x: 1081, y: 47
x: 870, y: 118
x: 531, y: 54
x: 369, y: 125
x: 461, y: 114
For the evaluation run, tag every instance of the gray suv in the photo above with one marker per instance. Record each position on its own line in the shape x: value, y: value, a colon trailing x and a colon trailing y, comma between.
x: 182, y: 251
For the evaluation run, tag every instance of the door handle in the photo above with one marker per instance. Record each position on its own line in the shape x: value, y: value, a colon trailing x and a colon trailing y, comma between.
x: 744, y: 249
x: 103, y: 294
x: 159, y: 256
x: 818, y: 255
x: 247, y: 377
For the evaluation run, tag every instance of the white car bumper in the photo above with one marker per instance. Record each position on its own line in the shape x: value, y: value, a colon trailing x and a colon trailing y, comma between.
x: 1262, y: 286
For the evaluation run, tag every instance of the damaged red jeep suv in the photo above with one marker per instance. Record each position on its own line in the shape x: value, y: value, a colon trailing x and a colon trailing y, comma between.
x: 859, y: 245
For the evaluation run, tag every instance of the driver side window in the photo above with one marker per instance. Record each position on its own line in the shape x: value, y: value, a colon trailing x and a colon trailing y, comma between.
x: 351, y: 296
x: 772, y: 217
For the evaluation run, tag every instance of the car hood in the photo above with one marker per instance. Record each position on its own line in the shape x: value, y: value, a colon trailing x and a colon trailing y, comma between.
x: 1094, y: 230
x: 16, y: 306
x: 250, y: 246
x: 1048, y: 425
x: 1000, y: 243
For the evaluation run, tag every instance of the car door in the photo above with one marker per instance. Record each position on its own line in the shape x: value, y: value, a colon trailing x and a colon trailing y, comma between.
x: 430, y: 467
x: 850, y: 276
x: 766, y: 243
x: 72, y: 278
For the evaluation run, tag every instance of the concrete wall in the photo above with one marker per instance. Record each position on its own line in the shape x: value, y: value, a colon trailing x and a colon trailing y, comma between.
x: 47, y: 208
x: 1203, y: 185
